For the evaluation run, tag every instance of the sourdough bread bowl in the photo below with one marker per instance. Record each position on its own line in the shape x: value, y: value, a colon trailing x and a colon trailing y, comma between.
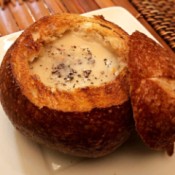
x: 64, y: 84
x: 152, y: 83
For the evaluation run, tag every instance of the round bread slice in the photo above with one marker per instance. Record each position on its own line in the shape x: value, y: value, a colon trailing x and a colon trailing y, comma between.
x: 152, y: 80
x: 64, y: 84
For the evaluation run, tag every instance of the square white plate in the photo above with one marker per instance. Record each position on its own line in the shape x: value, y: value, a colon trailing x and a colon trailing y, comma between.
x: 20, y: 156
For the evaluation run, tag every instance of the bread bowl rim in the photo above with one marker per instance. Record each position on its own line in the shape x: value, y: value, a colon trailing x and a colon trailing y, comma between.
x: 38, y: 94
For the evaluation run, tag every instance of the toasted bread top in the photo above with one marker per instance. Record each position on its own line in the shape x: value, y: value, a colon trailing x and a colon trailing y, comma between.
x: 44, y: 33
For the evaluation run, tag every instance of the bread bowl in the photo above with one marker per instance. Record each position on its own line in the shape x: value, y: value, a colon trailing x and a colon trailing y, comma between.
x: 152, y: 82
x: 67, y: 102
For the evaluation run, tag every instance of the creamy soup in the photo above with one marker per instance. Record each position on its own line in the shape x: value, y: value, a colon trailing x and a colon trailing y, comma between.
x: 75, y: 61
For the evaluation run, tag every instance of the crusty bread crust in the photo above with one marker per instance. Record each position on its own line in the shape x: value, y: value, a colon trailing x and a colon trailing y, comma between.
x: 152, y: 81
x: 85, y: 99
x: 88, y: 122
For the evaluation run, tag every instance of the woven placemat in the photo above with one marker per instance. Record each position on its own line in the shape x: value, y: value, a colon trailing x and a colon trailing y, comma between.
x: 161, y: 16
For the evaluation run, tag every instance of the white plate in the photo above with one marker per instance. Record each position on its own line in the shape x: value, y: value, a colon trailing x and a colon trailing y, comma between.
x: 20, y: 156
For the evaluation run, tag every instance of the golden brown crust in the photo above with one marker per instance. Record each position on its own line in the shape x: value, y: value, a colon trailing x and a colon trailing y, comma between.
x: 152, y: 78
x: 92, y: 124
x: 30, y: 42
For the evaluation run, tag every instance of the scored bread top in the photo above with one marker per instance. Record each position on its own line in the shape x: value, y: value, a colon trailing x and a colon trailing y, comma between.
x: 34, y: 44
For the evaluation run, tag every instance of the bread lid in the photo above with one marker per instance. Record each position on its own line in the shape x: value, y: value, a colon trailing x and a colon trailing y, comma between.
x: 152, y: 81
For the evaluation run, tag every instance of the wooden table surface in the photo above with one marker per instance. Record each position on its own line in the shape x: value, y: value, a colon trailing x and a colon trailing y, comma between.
x: 18, y: 15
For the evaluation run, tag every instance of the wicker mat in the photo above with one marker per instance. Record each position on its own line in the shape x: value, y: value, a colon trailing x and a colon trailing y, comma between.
x: 161, y: 16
